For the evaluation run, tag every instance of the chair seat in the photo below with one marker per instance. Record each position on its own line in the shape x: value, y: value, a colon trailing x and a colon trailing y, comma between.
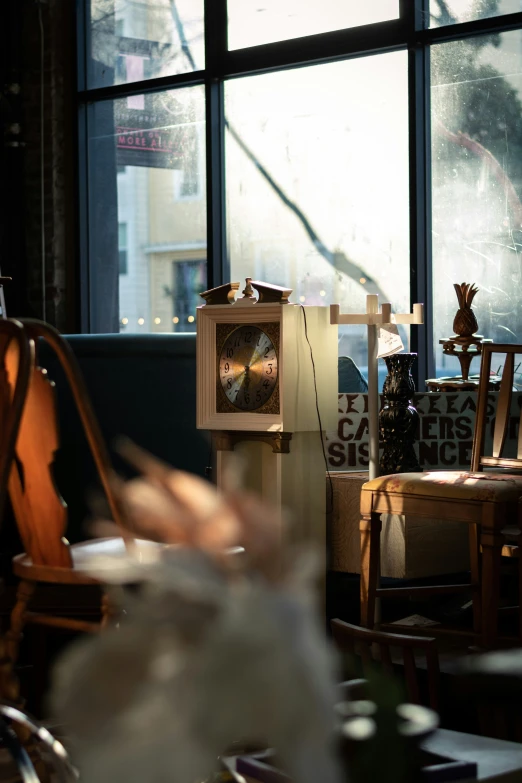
x: 82, y: 555
x: 458, y: 485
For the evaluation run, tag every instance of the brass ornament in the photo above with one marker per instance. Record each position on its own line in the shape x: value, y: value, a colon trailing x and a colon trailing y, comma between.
x: 465, y: 324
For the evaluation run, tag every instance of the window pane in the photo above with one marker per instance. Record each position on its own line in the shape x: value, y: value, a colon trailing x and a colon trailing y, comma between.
x: 317, y: 184
x: 443, y: 12
x: 253, y: 22
x: 147, y: 245
x: 143, y: 39
x: 477, y: 185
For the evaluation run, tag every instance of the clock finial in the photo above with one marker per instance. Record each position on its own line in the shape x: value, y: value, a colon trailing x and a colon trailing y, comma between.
x: 249, y: 297
x: 248, y: 291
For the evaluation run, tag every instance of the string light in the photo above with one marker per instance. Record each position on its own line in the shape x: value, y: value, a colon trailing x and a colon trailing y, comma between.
x: 157, y: 320
x: 322, y: 293
x: 141, y: 321
x: 125, y: 321
x: 302, y: 298
x: 190, y: 319
x: 362, y: 280
x: 175, y: 320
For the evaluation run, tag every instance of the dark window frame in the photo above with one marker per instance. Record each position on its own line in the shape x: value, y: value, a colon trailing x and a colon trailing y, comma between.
x: 406, y: 33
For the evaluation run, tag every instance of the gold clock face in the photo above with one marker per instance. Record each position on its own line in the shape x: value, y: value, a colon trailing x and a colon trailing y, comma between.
x: 248, y: 368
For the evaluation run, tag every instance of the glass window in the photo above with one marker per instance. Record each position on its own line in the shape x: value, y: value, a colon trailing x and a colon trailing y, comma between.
x: 317, y: 184
x: 253, y: 22
x: 477, y: 185
x: 133, y: 153
x: 122, y: 247
x: 143, y: 39
x: 444, y: 12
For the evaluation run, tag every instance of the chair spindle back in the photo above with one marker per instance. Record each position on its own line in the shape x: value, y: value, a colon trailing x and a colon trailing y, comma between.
x: 363, y: 642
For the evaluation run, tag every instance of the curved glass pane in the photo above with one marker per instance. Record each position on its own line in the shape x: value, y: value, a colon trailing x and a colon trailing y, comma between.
x: 132, y: 40
x: 477, y: 185
x: 253, y: 22
x: 444, y: 12
x: 317, y: 184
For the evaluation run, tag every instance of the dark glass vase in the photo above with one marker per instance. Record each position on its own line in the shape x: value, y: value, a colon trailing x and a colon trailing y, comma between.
x: 398, y: 419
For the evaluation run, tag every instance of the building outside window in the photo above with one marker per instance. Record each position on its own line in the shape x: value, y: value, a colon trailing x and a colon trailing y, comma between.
x: 122, y: 247
x: 339, y: 149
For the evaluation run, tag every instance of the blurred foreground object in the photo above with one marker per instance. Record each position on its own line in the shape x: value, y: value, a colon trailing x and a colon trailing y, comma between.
x: 217, y: 645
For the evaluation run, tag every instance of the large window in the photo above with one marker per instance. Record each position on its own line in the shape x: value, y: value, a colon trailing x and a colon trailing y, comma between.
x: 338, y: 148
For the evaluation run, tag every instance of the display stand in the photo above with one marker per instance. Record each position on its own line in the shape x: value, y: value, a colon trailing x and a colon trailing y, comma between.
x: 373, y: 320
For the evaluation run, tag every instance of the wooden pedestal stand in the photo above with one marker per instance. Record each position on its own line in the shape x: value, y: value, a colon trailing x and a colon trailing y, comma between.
x: 280, y: 443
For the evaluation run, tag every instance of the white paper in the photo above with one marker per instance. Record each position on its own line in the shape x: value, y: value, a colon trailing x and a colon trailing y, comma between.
x: 388, y: 341
x: 416, y: 619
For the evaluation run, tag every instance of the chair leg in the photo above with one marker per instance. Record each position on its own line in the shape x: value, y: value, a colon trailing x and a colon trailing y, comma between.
x: 106, y: 610
x: 474, y: 560
x: 370, y: 530
x: 9, y: 684
x: 491, y: 556
x: 14, y: 635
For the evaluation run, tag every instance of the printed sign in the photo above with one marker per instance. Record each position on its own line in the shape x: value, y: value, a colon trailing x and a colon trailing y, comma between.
x: 444, y: 436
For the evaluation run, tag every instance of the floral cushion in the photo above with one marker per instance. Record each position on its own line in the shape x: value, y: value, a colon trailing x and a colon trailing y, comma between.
x: 501, y: 487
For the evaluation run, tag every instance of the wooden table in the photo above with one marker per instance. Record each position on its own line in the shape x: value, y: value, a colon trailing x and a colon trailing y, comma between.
x: 494, y: 757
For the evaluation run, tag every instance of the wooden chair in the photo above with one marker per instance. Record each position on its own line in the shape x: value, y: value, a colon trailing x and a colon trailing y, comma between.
x: 486, y: 502
x: 364, y: 643
x: 17, y: 357
x: 40, y: 512
x: 493, y: 683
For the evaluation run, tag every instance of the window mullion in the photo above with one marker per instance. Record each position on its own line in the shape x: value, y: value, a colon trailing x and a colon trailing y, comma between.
x: 215, y: 51
x: 421, y: 339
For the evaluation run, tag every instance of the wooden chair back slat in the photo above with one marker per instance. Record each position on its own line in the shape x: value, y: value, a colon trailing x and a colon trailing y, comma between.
x: 386, y: 659
x: 349, y: 638
x: 364, y: 650
x: 432, y: 667
x: 16, y: 366
x: 40, y: 512
x: 519, y: 444
x: 503, y: 406
x: 479, y: 459
x: 482, y: 404
x: 410, y: 675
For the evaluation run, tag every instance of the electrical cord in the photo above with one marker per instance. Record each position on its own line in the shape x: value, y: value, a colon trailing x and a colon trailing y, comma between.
x: 330, y: 483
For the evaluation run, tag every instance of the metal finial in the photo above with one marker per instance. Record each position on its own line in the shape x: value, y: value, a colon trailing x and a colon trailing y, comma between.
x: 248, y: 291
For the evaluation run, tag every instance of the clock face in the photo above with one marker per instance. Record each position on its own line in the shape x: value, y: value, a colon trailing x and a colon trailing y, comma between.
x: 248, y: 367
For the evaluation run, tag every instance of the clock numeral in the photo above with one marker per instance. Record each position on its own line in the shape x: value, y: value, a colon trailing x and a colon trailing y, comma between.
x: 227, y: 367
x: 237, y: 393
x: 229, y: 383
x: 266, y: 384
x: 258, y: 396
x: 267, y: 351
x: 247, y: 398
x: 248, y: 337
x: 230, y: 353
x: 237, y: 342
x: 269, y: 372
